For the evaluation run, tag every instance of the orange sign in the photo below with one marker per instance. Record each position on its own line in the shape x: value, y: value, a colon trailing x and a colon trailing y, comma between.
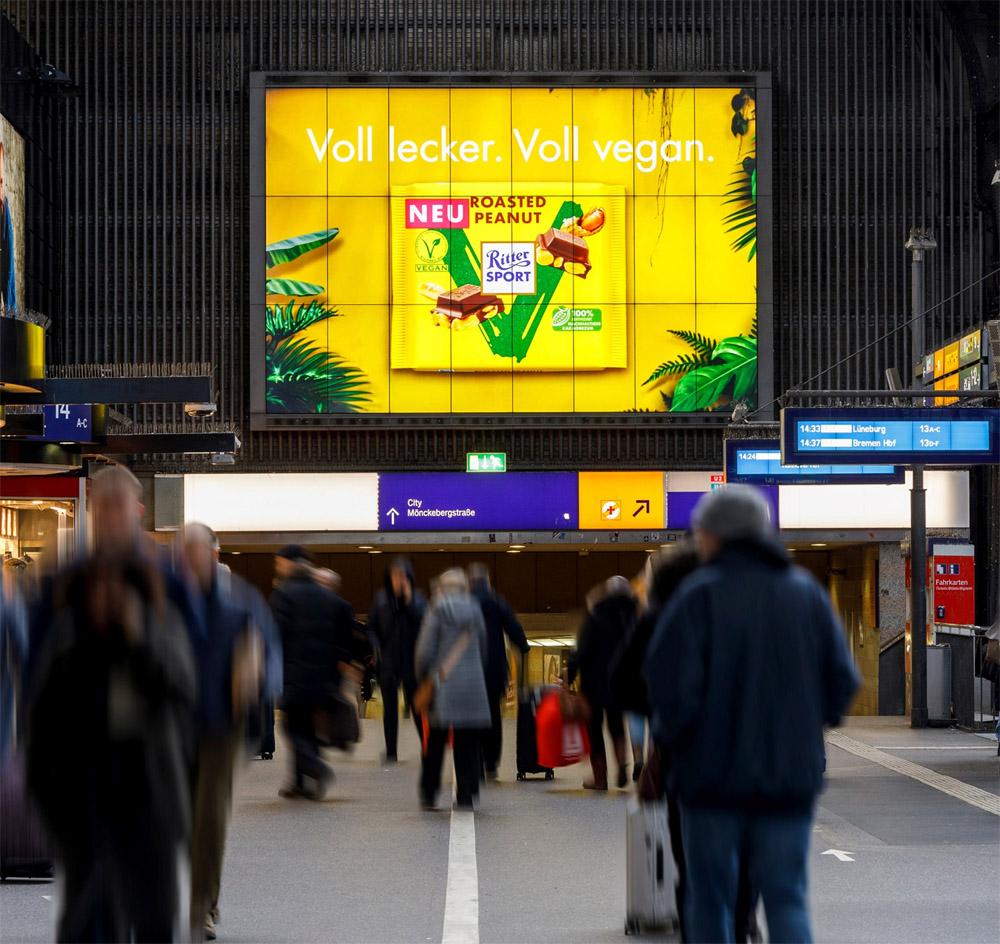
x: 951, y: 358
x: 939, y: 362
x: 627, y: 500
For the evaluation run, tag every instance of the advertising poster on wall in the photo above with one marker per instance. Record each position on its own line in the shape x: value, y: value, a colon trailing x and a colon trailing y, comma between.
x: 485, y: 250
x: 11, y: 215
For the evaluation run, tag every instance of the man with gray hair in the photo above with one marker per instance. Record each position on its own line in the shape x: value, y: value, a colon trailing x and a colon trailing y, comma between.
x: 746, y: 666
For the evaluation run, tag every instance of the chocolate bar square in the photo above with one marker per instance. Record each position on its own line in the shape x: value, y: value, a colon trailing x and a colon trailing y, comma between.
x: 568, y: 251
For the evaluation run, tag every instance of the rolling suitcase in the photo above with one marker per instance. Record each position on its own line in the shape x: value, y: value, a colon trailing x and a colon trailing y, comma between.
x: 25, y: 849
x: 650, y: 879
x: 527, y: 736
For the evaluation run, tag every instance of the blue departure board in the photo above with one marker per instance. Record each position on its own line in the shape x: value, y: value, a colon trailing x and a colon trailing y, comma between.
x: 918, y: 436
x: 758, y: 462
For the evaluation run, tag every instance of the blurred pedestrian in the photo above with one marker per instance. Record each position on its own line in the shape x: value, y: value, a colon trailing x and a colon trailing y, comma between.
x: 109, y: 710
x: 13, y: 650
x: 611, y: 613
x: 232, y: 674
x: 394, y: 619
x: 451, y: 652
x: 746, y: 666
x: 500, y: 621
x: 663, y: 573
x: 315, y: 627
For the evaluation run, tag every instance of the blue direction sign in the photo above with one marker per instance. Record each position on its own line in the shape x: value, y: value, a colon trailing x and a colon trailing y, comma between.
x: 918, y: 436
x: 457, y: 501
x: 67, y: 422
x: 758, y: 462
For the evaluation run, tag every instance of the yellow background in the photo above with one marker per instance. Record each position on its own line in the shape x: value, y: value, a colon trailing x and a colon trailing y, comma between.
x: 629, y: 488
x: 680, y: 271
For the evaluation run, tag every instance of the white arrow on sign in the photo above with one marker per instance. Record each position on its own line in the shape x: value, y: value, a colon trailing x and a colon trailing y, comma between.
x: 840, y: 854
x: 391, y: 513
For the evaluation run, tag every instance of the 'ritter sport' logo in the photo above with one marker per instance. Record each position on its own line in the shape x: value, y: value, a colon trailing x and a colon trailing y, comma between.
x: 508, y: 268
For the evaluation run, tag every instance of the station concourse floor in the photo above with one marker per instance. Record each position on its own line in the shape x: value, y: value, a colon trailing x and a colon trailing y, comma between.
x: 366, y: 865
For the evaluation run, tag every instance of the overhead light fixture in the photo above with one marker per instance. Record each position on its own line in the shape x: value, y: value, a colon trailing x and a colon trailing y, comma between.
x: 650, y: 550
x: 518, y: 547
x: 365, y: 547
x: 819, y: 545
x: 375, y: 552
x: 514, y: 550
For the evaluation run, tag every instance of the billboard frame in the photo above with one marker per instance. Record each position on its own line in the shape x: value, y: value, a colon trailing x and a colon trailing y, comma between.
x: 260, y: 82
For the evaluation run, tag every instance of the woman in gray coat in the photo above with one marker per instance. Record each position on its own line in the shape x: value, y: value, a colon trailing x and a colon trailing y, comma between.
x: 454, y: 627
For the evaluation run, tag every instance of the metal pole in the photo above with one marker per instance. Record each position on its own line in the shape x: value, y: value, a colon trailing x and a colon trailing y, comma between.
x: 918, y: 243
x: 918, y: 599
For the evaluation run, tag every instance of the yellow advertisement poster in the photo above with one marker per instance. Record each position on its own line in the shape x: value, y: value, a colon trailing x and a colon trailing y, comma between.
x: 510, y: 250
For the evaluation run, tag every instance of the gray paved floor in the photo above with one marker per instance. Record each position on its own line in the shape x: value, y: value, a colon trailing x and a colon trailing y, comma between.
x: 365, y: 865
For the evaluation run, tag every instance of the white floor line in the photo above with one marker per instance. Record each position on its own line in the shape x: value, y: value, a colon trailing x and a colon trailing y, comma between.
x: 982, y: 799
x: 940, y: 747
x: 461, y: 903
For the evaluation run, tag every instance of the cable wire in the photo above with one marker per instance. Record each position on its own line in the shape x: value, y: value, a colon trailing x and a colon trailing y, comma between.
x: 881, y: 338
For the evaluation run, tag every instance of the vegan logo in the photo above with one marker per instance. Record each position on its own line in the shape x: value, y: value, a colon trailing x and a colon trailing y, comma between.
x: 432, y: 251
x: 576, y: 319
x: 508, y: 268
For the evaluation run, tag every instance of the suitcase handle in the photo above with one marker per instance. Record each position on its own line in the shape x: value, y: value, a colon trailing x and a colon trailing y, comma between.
x: 659, y: 863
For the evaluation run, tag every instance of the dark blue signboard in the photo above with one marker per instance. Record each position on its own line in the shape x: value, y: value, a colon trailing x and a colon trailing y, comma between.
x: 758, y: 462
x: 919, y: 436
x: 67, y: 422
x: 459, y: 501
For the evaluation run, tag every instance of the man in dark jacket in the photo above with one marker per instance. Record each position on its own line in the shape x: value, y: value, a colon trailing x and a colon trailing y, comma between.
x: 316, y: 636
x: 239, y: 634
x: 394, y: 620
x: 746, y: 666
x: 500, y: 620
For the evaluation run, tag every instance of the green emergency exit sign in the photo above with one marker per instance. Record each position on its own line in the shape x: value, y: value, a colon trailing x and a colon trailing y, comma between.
x: 486, y: 462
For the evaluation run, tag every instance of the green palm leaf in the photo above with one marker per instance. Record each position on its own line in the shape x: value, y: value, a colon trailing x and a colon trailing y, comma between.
x: 292, y: 287
x: 302, y: 378
x: 734, y: 361
x: 281, y: 322
x: 286, y: 250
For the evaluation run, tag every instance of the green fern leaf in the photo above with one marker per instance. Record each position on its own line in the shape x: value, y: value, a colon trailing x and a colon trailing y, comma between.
x: 700, y: 343
x: 680, y: 364
x: 282, y: 322
x: 302, y: 378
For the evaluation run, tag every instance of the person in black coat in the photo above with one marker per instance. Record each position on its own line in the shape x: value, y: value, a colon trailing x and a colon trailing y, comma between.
x: 610, y: 617
x: 500, y: 620
x: 746, y: 666
x: 316, y: 629
x: 394, y: 620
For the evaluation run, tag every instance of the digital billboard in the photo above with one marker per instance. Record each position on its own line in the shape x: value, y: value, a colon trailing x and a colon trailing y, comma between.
x: 11, y: 215
x: 505, y: 250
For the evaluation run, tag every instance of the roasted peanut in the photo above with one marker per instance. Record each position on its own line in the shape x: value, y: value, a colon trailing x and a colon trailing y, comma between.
x: 543, y: 256
x: 576, y: 268
x: 558, y: 263
x: 592, y: 221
